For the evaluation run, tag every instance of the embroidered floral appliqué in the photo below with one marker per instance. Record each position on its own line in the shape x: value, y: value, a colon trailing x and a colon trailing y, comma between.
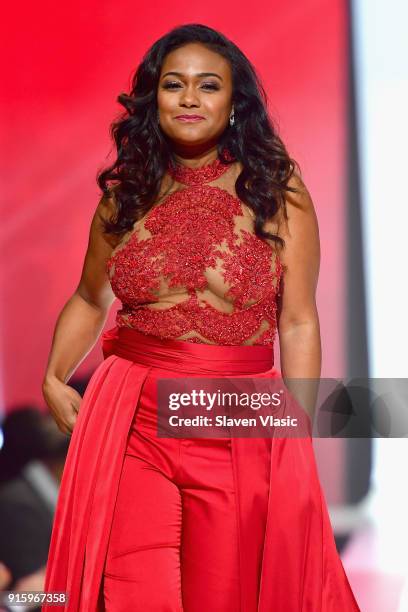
x: 227, y: 278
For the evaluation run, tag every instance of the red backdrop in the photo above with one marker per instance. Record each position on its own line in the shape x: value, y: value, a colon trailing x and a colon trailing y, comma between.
x: 64, y: 66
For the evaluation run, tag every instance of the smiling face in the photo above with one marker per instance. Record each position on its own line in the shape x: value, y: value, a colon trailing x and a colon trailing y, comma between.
x: 194, y: 95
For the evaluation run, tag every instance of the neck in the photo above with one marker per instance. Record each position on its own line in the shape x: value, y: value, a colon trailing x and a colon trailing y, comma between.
x: 195, y: 156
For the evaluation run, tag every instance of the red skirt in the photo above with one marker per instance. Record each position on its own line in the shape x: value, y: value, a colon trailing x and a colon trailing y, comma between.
x: 287, y: 554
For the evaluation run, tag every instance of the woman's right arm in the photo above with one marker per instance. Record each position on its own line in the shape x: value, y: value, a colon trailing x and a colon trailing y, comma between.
x: 80, y: 323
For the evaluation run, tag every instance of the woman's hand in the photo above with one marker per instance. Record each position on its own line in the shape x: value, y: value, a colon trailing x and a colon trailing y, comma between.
x: 63, y: 401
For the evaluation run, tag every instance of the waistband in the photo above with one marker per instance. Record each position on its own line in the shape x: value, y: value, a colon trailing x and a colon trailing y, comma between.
x: 187, y: 356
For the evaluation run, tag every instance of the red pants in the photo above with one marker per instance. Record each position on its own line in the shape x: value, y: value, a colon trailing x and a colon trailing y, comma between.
x: 174, y: 545
x: 201, y: 524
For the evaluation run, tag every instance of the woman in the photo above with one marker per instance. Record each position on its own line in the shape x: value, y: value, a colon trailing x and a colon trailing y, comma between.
x: 202, y: 218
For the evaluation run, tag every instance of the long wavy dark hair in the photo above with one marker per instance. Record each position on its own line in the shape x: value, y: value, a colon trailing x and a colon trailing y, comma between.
x: 144, y: 152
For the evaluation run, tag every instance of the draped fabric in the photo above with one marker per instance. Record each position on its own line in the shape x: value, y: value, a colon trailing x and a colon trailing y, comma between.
x: 291, y: 565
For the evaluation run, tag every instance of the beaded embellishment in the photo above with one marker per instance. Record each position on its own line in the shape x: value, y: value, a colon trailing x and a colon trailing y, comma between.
x: 202, y: 174
x: 194, y: 269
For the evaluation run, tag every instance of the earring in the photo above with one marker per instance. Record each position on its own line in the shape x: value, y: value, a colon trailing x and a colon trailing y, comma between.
x: 232, y: 118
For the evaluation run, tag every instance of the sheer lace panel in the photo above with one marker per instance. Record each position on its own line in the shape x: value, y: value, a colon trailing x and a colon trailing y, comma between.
x: 193, y: 269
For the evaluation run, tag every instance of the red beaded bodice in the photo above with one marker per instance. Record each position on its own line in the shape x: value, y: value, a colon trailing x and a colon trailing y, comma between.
x: 193, y: 269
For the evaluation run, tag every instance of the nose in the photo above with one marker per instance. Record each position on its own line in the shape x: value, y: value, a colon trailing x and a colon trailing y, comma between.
x: 189, y: 96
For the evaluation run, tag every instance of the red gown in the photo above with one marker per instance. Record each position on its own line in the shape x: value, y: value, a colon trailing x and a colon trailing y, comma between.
x: 197, y: 251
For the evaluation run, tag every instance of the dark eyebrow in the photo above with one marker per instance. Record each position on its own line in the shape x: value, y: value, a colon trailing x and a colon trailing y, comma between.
x: 199, y: 74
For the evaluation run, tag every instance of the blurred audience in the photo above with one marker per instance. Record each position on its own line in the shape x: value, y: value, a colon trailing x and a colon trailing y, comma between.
x: 31, y: 464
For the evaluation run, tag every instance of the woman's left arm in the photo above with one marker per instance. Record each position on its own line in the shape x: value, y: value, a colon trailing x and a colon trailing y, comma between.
x: 298, y: 321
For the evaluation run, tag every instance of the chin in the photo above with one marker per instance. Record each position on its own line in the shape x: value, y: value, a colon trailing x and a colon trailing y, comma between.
x: 190, y: 139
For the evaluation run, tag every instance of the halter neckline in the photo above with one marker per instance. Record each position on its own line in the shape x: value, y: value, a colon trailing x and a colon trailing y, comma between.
x: 202, y: 174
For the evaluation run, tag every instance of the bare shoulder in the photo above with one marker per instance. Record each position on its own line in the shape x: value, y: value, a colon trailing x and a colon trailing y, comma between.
x: 301, y: 211
x: 107, y: 206
x: 298, y: 216
x: 106, y: 210
x: 301, y: 197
